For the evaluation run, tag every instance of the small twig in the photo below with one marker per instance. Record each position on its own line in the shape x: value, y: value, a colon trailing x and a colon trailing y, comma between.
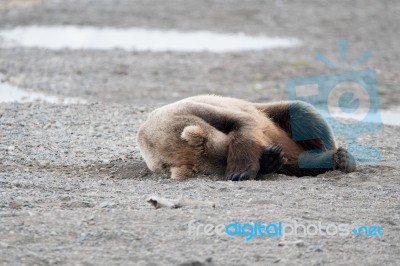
x: 159, y: 202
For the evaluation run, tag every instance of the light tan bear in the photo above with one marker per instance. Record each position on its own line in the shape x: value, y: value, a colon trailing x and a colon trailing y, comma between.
x: 219, y: 135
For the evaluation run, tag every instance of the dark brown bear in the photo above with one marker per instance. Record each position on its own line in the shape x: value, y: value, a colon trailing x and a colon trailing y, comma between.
x: 211, y: 134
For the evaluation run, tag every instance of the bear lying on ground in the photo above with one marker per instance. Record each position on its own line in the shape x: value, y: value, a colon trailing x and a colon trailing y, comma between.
x: 218, y: 135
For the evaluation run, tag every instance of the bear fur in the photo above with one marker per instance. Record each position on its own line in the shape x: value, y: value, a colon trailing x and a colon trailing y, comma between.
x: 219, y: 135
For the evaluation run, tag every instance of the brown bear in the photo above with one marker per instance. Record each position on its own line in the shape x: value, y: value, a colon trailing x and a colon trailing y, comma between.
x: 214, y: 135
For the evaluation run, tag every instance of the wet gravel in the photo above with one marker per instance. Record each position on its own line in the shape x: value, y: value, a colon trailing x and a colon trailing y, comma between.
x: 73, y: 186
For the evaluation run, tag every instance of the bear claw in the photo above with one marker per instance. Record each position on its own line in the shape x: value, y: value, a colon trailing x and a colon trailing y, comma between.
x: 344, y: 161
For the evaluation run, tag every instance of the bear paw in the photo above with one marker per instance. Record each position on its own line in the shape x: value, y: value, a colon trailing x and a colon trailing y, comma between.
x: 344, y: 161
x: 272, y: 159
x: 241, y: 175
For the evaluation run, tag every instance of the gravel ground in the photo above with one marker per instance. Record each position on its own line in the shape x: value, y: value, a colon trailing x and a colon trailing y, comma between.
x: 73, y: 185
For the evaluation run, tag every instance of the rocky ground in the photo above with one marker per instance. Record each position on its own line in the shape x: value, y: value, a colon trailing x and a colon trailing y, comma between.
x: 73, y: 184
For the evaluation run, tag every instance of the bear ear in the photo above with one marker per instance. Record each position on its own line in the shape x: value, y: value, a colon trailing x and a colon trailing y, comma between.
x: 194, y: 135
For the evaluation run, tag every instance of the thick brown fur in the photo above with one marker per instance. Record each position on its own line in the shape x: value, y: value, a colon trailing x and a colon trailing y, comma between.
x: 212, y: 134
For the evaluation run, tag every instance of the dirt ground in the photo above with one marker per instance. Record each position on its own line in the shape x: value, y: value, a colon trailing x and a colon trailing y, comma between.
x: 73, y: 186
